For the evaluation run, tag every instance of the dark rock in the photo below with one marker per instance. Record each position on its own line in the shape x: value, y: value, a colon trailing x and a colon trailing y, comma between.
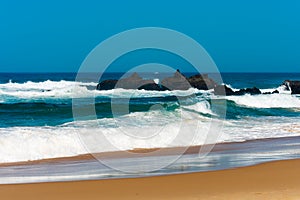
x: 107, y: 85
x: 133, y: 82
x: 180, y: 82
x: 46, y: 90
x: 240, y: 92
x: 274, y: 92
x: 201, y: 82
x: 267, y: 93
x: 253, y: 91
x: 293, y: 86
x: 177, y: 82
x: 153, y: 86
x: 223, y: 90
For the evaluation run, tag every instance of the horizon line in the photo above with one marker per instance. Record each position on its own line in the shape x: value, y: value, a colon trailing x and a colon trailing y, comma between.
x: 56, y: 72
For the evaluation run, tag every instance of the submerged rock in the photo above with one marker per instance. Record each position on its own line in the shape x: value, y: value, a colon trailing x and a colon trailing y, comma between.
x: 274, y: 92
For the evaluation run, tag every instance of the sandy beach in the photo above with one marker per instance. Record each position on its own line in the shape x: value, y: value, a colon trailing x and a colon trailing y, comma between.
x: 274, y: 180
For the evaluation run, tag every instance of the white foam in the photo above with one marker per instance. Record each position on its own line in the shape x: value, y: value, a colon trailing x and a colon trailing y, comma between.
x: 46, y: 89
x: 267, y: 101
x: 267, y: 127
x: 45, y: 85
x: 281, y: 89
x: 134, y: 93
x: 136, y: 130
x: 202, y: 107
x: 30, y: 91
x: 155, y: 128
x: 69, y: 89
x: 34, y: 143
x: 229, y: 86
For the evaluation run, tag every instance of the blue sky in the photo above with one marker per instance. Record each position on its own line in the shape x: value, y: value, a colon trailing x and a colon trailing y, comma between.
x: 241, y: 36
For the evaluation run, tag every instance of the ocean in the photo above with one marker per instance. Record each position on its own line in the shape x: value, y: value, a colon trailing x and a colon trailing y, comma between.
x: 37, y: 122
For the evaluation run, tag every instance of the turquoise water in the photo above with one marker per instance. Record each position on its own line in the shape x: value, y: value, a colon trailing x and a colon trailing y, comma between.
x: 36, y: 113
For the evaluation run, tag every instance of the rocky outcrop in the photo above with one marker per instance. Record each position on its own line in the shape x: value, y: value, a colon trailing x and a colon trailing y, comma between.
x: 107, y: 85
x: 179, y: 82
x: 176, y: 82
x: 202, y: 82
x: 133, y: 82
x: 293, y: 86
x: 274, y: 92
x: 153, y: 86
x: 252, y: 91
x: 224, y: 90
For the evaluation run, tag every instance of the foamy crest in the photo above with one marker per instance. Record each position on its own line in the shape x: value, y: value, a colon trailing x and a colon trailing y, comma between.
x: 201, y: 107
x: 45, y: 85
x: 69, y: 89
x: 157, y: 128
x: 281, y: 89
x: 267, y: 127
x: 46, y: 89
x: 35, y: 143
x: 229, y: 86
x: 267, y: 101
x: 134, y: 93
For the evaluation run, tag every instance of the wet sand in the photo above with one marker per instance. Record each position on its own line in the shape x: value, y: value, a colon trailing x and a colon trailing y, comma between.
x: 274, y: 180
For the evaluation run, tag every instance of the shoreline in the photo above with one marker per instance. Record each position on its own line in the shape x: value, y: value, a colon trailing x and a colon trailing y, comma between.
x: 272, y: 180
x: 143, y: 152
x: 85, y: 167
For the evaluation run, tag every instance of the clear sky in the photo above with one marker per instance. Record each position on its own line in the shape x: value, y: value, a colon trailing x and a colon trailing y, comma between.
x: 241, y: 36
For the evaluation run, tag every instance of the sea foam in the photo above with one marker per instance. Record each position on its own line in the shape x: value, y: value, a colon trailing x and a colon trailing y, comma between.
x: 153, y: 129
x: 267, y: 101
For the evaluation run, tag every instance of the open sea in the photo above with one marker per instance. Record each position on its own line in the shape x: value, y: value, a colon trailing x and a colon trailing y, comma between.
x: 37, y: 122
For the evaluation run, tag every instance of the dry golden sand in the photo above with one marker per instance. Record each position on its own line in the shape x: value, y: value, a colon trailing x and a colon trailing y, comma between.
x: 275, y: 180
